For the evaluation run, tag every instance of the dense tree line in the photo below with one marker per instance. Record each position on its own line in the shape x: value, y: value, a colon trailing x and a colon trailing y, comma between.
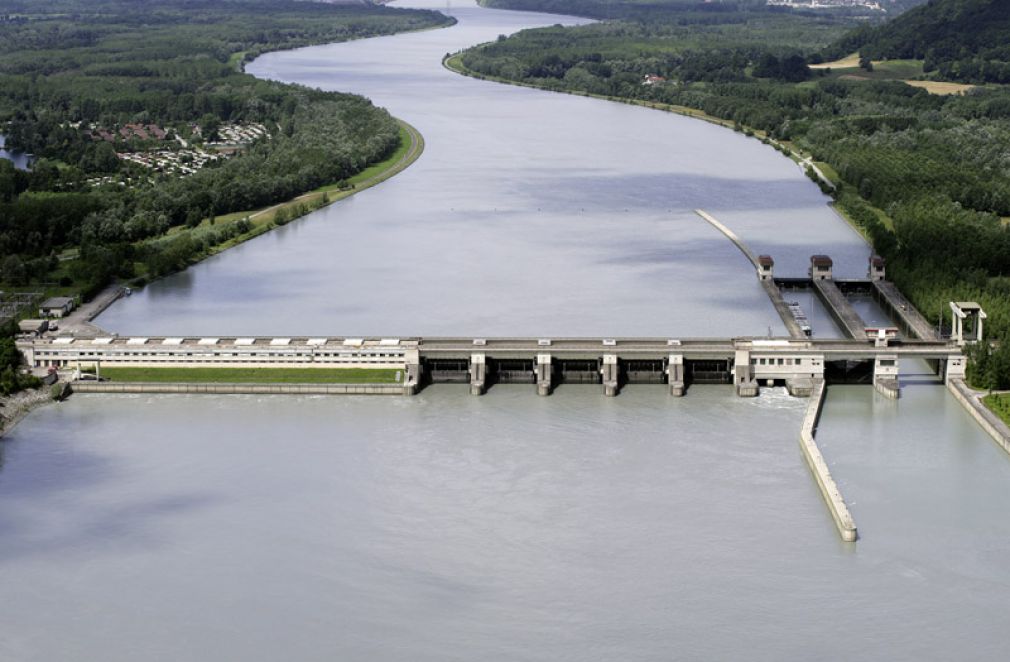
x: 68, y: 65
x: 11, y: 377
x: 964, y: 40
x: 684, y: 11
x: 926, y: 177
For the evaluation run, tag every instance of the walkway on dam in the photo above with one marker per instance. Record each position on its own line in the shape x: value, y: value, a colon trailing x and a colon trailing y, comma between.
x: 912, y: 318
x: 841, y: 310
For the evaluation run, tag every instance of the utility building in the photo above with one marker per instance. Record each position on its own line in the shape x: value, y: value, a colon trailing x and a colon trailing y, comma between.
x: 56, y: 307
x: 875, y: 271
x: 820, y: 267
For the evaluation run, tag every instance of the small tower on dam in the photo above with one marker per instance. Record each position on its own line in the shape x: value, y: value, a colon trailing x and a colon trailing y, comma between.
x: 820, y: 267
x: 765, y: 267
x: 967, y: 319
x: 875, y: 270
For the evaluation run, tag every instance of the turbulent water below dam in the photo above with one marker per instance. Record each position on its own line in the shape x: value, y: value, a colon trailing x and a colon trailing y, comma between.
x: 507, y: 526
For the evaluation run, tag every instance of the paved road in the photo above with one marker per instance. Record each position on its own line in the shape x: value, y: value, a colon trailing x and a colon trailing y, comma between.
x: 79, y: 321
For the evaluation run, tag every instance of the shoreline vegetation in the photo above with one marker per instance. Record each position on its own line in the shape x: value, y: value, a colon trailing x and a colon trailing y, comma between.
x: 999, y: 404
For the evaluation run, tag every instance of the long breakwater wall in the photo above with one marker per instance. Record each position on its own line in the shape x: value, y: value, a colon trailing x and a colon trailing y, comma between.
x: 832, y: 496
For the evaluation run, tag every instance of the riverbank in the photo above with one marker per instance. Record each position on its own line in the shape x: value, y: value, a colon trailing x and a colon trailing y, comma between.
x: 989, y: 421
x: 410, y: 149
x: 263, y: 220
x: 999, y: 404
x: 15, y: 408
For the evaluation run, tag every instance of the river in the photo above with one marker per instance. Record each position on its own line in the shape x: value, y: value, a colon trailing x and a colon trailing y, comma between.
x: 509, y: 526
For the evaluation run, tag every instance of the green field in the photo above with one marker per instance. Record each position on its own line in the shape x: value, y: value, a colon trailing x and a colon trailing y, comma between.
x: 255, y: 375
x: 999, y: 404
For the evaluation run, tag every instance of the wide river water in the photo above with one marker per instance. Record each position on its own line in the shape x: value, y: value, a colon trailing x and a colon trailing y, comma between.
x: 505, y: 527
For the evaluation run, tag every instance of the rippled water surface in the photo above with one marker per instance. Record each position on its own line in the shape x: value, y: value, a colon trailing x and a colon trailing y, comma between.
x: 529, y: 213
x: 505, y: 527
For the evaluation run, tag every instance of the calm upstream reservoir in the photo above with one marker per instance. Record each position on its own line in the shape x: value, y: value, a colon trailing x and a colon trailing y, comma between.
x: 509, y: 526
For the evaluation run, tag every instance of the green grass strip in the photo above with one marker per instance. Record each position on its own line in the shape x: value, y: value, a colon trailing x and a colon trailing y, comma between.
x: 255, y: 375
x: 999, y: 404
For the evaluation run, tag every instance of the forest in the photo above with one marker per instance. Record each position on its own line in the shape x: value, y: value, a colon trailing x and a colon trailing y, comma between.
x: 926, y: 177
x: 963, y: 40
x: 697, y: 11
x: 75, y: 75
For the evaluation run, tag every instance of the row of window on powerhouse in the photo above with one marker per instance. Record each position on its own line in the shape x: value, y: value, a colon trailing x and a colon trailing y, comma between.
x: 779, y: 361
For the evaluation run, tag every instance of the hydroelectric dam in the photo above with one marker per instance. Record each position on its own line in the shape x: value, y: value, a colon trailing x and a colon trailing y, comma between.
x: 869, y: 354
x: 799, y: 362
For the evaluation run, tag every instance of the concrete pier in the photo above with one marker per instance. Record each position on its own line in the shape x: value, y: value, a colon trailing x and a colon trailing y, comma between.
x: 885, y: 375
x: 545, y: 374
x: 841, y: 310
x: 829, y: 490
x: 800, y: 387
x: 743, y: 375
x: 478, y: 374
x: 610, y: 371
x: 675, y: 375
x: 412, y: 369
x: 895, y: 301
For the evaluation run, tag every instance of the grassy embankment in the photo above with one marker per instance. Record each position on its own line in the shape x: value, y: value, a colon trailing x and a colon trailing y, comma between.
x: 999, y: 404
x: 255, y: 375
